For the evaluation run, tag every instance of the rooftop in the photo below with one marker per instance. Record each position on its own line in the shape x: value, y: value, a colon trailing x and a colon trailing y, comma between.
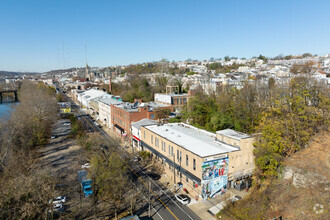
x: 173, y: 94
x: 233, y: 134
x: 197, y: 141
x: 134, y: 107
x: 111, y: 100
x: 143, y: 122
x: 92, y: 93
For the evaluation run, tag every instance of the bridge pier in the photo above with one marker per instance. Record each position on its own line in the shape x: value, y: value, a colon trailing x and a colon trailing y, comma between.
x: 8, y: 91
x: 16, y: 98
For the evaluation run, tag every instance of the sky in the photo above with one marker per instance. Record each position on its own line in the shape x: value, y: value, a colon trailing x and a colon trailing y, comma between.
x: 39, y: 35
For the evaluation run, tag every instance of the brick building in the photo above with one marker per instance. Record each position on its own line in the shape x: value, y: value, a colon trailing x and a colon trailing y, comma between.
x: 125, y: 113
x: 172, y: 97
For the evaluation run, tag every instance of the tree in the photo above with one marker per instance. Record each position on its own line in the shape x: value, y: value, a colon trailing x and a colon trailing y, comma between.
x: 295, y: 69
x: 24, y: 188
x: 110, y: 183
x: 289, y: 124
x: 288, y: 57
x: 261, y: 57
x: 271, y: 83
x: 226, y: 58
x: 162, y: 113
x: 307, y: 55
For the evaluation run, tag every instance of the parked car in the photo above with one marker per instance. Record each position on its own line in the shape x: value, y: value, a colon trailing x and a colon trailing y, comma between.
x: 66, y: 123
x: 136, y: 159
x: 57, y: 208
x: 183, y: 199
x: 58, y: 200
x: 53, y: 136
x: 85, y: 166
x: 172, y: 115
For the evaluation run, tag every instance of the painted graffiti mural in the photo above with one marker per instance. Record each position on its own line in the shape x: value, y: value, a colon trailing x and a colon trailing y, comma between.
x: 214, y: 177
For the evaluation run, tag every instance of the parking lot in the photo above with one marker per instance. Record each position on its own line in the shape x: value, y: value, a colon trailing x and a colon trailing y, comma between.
x: 63, y: 158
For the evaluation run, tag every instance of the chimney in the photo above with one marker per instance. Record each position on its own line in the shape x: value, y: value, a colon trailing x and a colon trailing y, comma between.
x: 110, y: 84
x: 138, y: 100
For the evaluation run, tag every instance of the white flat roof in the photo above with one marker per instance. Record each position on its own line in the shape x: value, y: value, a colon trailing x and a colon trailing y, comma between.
x: 197, y: 141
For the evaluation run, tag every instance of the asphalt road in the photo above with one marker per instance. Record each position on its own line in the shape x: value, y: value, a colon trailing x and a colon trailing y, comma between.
x: 164, y: 206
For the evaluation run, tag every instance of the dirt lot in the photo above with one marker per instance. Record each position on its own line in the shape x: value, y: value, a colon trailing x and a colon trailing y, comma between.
x: 63, y: 158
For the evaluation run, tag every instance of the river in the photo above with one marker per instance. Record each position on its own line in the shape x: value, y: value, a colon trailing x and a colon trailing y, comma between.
x: 6, y: 109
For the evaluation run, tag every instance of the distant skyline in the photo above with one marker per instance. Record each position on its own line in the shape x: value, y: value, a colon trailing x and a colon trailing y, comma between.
x: 38, y: 36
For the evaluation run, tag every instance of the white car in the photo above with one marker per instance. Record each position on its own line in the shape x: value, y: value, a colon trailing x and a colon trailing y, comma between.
x: 53, y: 136
x: 85, y: 166
x: 58, y: 200
x: 183, y: 199
x: 66, y: 123
x: 57, y: 207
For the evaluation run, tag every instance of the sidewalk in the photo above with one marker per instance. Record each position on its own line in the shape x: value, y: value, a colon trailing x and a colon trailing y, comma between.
x: 201, y: 207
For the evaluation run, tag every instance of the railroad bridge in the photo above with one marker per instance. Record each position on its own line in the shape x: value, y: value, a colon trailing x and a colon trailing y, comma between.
x: 8, y: 91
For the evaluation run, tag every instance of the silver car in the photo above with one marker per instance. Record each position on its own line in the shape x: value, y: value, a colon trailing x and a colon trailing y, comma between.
x: 58, y: 200
x: 183, y: 199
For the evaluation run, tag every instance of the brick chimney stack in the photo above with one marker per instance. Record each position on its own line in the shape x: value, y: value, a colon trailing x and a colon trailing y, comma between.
x: 110, y: 83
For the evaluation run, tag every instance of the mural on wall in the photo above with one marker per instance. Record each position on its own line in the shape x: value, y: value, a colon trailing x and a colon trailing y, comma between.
x: 214, y: 177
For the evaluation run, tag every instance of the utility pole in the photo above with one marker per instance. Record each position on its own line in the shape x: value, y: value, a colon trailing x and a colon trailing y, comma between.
x: 132, y: 205
x: 174, y: 171
x: 149, y: 214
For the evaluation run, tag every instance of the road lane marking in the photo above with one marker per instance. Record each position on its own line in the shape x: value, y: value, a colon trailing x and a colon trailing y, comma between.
x: 100, y: 130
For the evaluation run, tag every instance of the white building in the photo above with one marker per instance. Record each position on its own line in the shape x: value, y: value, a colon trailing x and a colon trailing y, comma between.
x: 136, y: 131
x: 84, y: 98
x: 105, y: 109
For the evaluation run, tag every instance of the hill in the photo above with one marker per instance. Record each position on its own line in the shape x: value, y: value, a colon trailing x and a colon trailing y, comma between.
x: 9, y: 73
x: 300, y: 192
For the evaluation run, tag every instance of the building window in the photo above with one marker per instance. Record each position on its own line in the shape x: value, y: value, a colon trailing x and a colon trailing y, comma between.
x: 169, y: 150
x: 152, y: 139
x: 177, y: 155
x: 194, y: 164
x: 172, y: 151
x: 164, y: 147
x: 180, y: 156
x: 187, y: 160
x: 152, y: 116
x: 187, y: 179
x: 144, y: 134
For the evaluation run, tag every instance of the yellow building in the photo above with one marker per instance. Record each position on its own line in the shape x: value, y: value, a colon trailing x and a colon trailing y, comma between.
x: 198, y: 160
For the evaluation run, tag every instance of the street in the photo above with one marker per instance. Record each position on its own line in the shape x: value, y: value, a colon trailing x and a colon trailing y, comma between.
x: 165, y: 205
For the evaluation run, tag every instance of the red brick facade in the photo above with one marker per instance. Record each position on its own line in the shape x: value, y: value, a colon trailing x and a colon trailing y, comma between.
x: 121, y: 119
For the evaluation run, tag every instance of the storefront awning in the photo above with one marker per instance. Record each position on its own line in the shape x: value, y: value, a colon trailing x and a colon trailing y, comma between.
x: 119, y: 128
